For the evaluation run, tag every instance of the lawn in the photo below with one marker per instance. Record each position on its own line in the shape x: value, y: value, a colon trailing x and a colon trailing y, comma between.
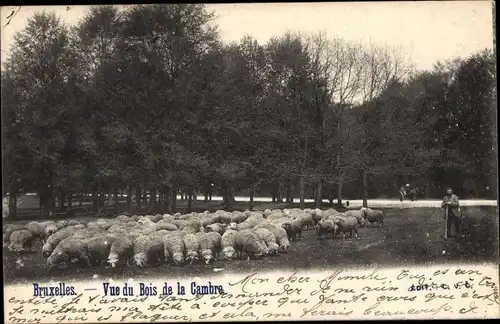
x: 410, y: 236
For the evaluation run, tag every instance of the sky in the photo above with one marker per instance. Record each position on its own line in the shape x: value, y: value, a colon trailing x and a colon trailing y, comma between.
x: 427, y: 31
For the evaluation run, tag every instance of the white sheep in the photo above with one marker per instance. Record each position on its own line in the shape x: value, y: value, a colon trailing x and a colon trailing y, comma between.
x: 54, y: 240
x: 99, y: 247
x: 173, y: 247
x: 374, y: 216
x: 165, y: 225
x: 217, y: 227
x: 192, y: 247
x: 325, y: 227
x: 269, y: 239
x: 68, y: 249
x: 347, y: 224
x: 228, y: 244
x: 294, y: 229
x: 358, y: 214
x: 148, y: 248
x: 122, y: 249
x: 21, y: 241
x: 37, y: 230
x: 247, y: 242
x: 61, y: 224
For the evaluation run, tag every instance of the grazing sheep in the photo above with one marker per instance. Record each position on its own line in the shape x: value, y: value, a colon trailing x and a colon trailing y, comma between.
x: 165, y: 225
x: 228, y: 244
x: 21, y: 241
x: 173, y: 247
x: 358, y: 214
x: 347, y: 224
x: 307, y: 220
x: 269, y: 239
x: 247, y: 242
x: 192, y: 247
x: 238, y: 217
x: 157, y: 218
x: 280, y: 234
x: 217, y: 227
x: 148, y: 249
x: 36, y: 229
x: 98, y: 248
x: 9, y: 229
x: 374, y: 216
x: 61, y: 224
x: 67, y: 250
x: 325, y: 227
x: 73, y: 222
x: 50, y: 229
x: 210, y: 246
x: 122, y: 249
x: 294, y: 229
x: 54, y: 240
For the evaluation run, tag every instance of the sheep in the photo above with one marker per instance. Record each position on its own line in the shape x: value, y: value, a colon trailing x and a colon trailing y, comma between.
x: 374, y: 216
x: 223, y: 217
x: 99, y: 247
x: 50, y: 229
x: 148, y: 248
x: 36, y: 229
x: 269, y: 239
x: 173, y: 247
x: 347, y: 224
x: 192, y: 247
x: 210, y: 244
x: 358, y: 214
x: 67, y: 250
x: 61, y: 224
x: 307, y: 220
x: 238, y: 217
x: 73, y: 222
x: 266, y: 213
x: 21, y: 241
x: 280, y: 234
x: 165, y: 225
x: 217, y: 227
x: 294, y: 229
x: 9, y: 229
x: 324, y: 227
x: 228, y: 244
x: 247, y: 242
x: 157, y: 218
x: 188, y: 230
x: 121, y: 249
x: 123, y: 218
x: 54, y: 240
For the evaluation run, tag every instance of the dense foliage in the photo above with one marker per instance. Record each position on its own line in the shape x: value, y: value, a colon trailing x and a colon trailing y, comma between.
x: 149, y: 97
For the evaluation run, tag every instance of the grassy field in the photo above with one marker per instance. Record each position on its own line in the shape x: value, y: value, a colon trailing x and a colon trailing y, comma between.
x: 411, y: 236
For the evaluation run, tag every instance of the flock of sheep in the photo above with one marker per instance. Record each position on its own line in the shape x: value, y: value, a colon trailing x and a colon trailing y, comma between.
x: 180, y: 239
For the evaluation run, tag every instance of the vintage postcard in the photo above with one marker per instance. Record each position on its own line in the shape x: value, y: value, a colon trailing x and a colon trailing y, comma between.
x: 249, y: 162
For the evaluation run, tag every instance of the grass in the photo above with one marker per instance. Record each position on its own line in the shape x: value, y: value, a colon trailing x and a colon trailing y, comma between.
x: 409, y: 237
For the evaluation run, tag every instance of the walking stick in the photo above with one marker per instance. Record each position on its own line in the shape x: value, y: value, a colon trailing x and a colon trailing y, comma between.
x: 446, y: 222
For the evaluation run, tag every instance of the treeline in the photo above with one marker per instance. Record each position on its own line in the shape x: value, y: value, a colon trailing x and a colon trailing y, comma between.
x: 149, y: 98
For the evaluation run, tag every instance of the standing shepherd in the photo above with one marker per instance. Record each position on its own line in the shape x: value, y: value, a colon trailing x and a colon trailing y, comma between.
x: 451, y: 201
x: 402, y: 193
x: 413, y: 194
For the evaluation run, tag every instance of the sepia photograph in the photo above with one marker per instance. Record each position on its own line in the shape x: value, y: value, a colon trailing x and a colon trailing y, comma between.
x: 188, y: 140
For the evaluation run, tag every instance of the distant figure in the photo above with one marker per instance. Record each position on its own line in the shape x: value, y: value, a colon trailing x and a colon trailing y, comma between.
x: 402, y: 193
x: 412, y: 194
x: 451, y: 201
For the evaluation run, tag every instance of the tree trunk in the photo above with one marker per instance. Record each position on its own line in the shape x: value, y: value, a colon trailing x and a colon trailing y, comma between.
x: 301, y: 192
x: 116, y: 200
x: 365, y: 188
x: 95, y: 200
x: 173, y: 195
x: 161, y: 190
x: 12, y: 204
x: 166, y: 198
x: 339, y: 190
x: 70, y: 201
x: 129, y: 199
x: 319, y: 194
x: 153, y: 199
x: 227, y: 195
x: 138, y: 197
x: 62, y: 199
x: 190, y: 201
x: 206, y: 197
x: 252, y: 194
x: 110, y: 198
